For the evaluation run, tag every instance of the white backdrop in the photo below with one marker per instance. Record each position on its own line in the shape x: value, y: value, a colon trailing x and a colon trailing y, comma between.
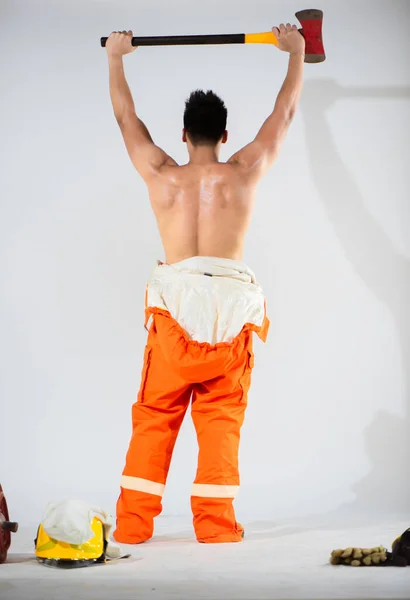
x: 328, y: 423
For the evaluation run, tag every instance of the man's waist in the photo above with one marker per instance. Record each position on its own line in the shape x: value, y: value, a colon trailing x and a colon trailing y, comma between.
x: 209, y: 266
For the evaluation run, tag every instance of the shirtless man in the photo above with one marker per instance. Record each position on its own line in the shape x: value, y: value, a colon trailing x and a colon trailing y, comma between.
x: 203, y: 304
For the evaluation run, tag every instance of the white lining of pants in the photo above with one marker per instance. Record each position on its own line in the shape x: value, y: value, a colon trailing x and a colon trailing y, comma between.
x: 205, y: 490
x: 137, y: 484
x: 149, y: 322
x: 210, y: 309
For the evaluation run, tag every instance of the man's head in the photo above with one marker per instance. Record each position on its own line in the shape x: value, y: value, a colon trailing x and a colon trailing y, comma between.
x: 205, y: 119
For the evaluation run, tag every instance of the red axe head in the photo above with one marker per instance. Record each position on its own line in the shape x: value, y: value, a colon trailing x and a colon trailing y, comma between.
x: 311, y: 21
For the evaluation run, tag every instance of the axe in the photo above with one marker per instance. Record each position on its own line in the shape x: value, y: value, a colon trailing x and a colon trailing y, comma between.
x: 310, y: 19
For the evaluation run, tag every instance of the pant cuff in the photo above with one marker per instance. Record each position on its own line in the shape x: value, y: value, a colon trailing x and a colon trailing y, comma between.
x: 123, y: 538
x: 224, y: 538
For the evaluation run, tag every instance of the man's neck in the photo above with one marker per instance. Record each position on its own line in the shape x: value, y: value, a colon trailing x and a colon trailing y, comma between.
x: 203, y: 155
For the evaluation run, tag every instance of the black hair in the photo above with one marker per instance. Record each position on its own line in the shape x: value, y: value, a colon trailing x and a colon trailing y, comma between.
x: 205, y: 117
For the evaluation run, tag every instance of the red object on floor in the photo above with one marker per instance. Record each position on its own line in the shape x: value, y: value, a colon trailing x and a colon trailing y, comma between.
x: 6, y: 527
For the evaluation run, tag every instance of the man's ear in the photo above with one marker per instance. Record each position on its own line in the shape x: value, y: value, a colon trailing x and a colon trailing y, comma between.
x: 225, y: 137
x: 184, y: 138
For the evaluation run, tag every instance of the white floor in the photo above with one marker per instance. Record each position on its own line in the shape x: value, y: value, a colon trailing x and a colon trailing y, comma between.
x: 275, y: 561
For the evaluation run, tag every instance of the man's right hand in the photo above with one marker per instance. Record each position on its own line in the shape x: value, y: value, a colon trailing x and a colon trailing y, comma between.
x: 120, y: 43
x: 289, y: 39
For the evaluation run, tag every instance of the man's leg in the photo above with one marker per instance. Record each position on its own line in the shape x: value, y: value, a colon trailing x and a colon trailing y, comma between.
x: 218, y: 410
x: 157, y: 417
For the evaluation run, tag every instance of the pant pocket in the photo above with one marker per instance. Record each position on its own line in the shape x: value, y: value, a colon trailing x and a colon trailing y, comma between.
x: 246, y: 379
x: 144, y: 374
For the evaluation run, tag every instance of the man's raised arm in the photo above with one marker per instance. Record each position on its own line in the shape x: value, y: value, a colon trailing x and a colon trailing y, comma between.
x: 259, y: 155
x: 145, y: 155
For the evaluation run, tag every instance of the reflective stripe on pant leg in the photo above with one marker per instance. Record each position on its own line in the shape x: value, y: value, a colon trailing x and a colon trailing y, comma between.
x: 142, y: 485
x: 207, y: 490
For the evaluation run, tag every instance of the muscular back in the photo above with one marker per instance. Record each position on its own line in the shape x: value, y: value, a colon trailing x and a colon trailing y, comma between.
x: 202, y: 210
x: 204, y: 207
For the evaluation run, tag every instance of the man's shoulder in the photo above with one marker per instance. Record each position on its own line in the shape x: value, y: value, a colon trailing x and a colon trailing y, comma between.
x: 189, y: 169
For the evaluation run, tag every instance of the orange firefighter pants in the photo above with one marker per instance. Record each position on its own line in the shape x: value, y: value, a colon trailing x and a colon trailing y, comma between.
x: 217, y: 379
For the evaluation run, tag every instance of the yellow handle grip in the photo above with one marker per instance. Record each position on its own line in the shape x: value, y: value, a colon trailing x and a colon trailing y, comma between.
x: 261, y: 38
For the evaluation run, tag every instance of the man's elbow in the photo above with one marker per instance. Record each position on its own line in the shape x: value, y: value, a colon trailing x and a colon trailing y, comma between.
x: 288, y: 115
x: 291, y: 114
x: 118, y: 115
x: 124, y: 116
